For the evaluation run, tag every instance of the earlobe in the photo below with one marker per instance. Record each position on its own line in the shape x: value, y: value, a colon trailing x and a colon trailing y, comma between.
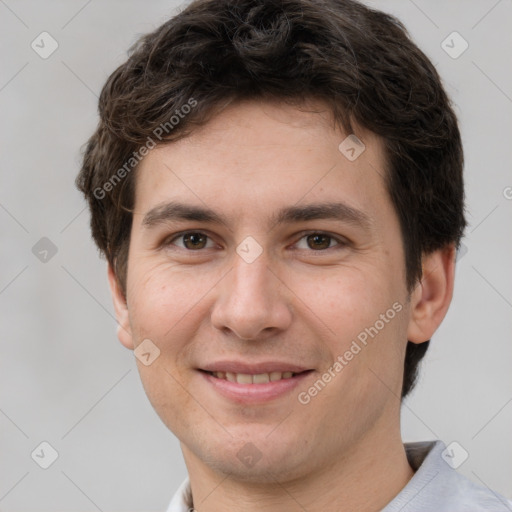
x: 124, y: 332
x: 431, y: 298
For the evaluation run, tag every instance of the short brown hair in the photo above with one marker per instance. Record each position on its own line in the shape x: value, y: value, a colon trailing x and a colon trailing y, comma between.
x: 359, y: 61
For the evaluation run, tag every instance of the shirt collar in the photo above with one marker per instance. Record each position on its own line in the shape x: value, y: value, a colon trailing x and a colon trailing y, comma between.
x: 182, y: 499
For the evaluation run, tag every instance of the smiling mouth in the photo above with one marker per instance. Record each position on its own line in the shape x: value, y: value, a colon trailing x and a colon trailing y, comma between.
x: 260, y: 378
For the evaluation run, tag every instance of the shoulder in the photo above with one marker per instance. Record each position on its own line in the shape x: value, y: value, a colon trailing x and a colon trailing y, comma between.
x: 436, y: 485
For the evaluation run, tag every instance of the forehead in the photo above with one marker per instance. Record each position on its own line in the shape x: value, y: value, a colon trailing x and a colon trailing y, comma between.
x: 260, y: 157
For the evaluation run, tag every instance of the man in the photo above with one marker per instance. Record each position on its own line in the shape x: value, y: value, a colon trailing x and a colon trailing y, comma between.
x: 277, y: 187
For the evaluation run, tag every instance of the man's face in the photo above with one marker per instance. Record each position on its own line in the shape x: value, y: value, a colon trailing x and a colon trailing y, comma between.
x: 263, y: 294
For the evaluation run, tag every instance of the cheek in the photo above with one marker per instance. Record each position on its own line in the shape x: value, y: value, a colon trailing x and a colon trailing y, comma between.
x: 345, y: 301
x: 163, y: 305
x: 362, y: 316
x: 162, y: 297
x: 164, y: 384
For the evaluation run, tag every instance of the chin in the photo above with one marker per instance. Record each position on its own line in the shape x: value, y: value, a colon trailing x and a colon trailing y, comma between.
x: 264, y: 471
x: 257, y: 458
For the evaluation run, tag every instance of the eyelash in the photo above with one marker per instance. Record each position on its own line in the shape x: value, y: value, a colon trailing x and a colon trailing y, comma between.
x: 341, y: 243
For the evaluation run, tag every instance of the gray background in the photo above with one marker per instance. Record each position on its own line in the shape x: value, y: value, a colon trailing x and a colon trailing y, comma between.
x: 64, y: 377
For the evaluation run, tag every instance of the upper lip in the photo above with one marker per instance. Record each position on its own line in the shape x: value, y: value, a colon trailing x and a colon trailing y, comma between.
x: 253, y: 368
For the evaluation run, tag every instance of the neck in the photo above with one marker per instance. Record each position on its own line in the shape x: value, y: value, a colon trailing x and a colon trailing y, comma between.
x: 366, y: 478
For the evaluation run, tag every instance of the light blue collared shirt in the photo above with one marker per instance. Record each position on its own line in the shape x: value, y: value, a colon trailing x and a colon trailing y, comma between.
x: 435, y: 487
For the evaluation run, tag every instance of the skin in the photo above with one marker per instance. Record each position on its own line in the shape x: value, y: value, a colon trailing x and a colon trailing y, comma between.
x: 295, y: 302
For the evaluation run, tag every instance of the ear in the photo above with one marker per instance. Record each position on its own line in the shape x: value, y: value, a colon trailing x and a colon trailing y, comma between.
x: 432, y: 296
x: 124, y: 332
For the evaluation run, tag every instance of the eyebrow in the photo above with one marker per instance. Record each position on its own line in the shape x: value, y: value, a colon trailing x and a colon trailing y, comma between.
x: 174, y: 210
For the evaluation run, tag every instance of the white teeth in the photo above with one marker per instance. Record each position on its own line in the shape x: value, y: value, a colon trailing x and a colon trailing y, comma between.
x: 260, y: 378
x: 243, y: 378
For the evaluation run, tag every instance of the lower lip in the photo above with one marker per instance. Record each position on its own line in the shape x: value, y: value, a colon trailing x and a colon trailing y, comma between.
x: 255, y: 393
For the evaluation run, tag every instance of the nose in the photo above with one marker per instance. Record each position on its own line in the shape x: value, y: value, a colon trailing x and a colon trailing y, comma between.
x: 253, y: 302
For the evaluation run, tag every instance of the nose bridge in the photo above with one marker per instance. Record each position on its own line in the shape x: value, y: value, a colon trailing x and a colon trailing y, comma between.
x: 250, y: 299
x: 250, y: 273
x: 251, y: 282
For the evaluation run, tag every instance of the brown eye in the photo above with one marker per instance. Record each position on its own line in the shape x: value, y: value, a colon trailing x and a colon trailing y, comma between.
x: 319, y: 241
x: 189, y: 240
x: 194, y: 240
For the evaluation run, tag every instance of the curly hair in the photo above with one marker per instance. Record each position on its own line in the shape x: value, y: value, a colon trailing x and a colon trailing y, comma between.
x: 360, y: 62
